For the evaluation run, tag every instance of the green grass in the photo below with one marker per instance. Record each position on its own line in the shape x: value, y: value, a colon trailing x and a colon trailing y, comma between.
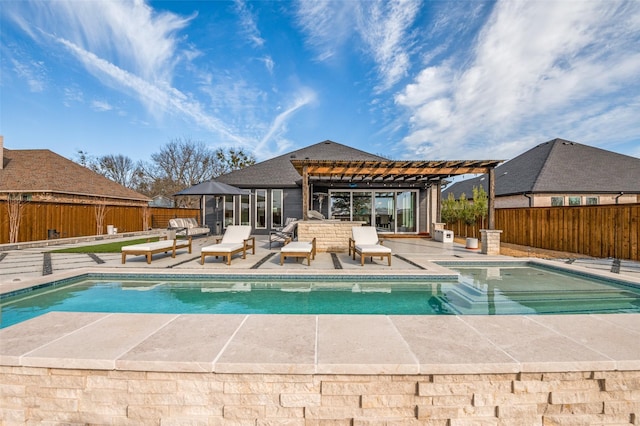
x: 113, y: 247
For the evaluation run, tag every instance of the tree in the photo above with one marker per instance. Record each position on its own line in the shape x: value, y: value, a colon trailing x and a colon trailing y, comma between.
x: 231, y: 159
x: 448, y: 212
x: 15, y: 207
x: 121, y: 169
x: 480, y: 203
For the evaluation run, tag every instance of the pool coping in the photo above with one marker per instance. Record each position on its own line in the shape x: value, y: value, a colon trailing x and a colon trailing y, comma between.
x: 325, y: 344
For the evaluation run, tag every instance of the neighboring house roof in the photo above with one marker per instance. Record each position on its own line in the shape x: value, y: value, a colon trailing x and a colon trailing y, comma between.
x: 44, y: 171
x: 560, y: 166
x: 279, y: 172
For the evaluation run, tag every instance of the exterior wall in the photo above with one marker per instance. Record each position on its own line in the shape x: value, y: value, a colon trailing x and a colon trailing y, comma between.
x: 57, y: 396
x: 544, y: 200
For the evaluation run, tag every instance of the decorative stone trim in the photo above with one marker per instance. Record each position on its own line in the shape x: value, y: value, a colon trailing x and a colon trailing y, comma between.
x: 330, y: 235
x: 30, y: 395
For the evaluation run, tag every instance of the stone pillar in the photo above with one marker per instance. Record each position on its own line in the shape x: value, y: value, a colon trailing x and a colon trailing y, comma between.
x: 490, y: 241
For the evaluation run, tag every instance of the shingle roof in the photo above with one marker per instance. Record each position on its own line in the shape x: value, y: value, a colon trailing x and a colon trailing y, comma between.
x: 44, y: 171
x: 279, y: 172
x: 560, y: 166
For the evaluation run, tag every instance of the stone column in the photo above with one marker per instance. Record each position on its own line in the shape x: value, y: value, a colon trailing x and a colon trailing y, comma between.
x: 490, y: 241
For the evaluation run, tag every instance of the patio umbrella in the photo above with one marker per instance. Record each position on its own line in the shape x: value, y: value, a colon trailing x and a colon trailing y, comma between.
x: 212, y: 187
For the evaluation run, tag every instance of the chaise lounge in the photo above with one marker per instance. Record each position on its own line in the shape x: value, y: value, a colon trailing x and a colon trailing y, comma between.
x: 236, y: 239
x: 297, y: 249
x: 150, y: 248
x: 187, y: 227
x: 365, y: 242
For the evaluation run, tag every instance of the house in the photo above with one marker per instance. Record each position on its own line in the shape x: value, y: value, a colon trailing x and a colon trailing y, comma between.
x: 560, y: 173
x: 43, y: 175
x: 54, y: 197
x: 162, y: 201
x: 339, y: 182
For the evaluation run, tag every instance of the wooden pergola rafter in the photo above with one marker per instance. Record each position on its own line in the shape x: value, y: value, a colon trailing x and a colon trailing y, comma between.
x: 393, y: 171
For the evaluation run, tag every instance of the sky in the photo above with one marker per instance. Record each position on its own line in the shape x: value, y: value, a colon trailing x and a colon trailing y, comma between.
x: 408, y: 80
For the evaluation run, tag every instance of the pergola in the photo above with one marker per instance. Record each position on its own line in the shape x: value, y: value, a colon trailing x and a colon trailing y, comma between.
x: 421, y: 173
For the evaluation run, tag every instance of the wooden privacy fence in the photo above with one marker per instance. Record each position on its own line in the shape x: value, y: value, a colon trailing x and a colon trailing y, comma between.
x: 42, y: 220
x: 598, y: 231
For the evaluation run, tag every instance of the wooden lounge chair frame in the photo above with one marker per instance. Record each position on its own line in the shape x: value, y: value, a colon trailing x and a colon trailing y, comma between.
x: 248, y: 243
x: 299, y: 249
x: 368, y: 250
x: 163, y: 246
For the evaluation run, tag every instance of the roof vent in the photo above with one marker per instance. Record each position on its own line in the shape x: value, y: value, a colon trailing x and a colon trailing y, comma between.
x: 292, y: 156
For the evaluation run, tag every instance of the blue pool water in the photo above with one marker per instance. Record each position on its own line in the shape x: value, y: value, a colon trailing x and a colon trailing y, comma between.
x: 479, y: 290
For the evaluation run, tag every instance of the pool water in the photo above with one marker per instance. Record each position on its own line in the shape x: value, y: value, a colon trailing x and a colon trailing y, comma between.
x: 503, y: 290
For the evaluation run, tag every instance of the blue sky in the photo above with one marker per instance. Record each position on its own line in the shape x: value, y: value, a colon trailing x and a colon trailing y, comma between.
x: 404, y: 79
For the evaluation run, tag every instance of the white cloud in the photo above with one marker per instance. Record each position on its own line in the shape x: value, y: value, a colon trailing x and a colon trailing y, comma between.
x: 32, y: 72
x: 101, y: 106
x: 278, y: 126
x: 248, y: 23
x: 327, y: 25
x: 536, y: 66
x: 382, y: 27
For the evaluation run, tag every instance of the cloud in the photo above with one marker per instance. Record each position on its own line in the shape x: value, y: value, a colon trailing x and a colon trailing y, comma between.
x: 535, y: 67
x: 101, y: 106
x: 32, y: 72
x: 327, y: 25
x: 248, y: 23
x: 158, y: 95
x: 278, y: 125
x: 382, y: 29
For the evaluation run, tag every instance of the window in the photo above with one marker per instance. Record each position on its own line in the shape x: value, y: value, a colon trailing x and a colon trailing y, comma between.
x: 261, y: 208
x: 276, y: 208
x: 229, y: 210
x: 245, y: 209
x: 557, y: 201
x: 575, y: 201
x: 591, y: 201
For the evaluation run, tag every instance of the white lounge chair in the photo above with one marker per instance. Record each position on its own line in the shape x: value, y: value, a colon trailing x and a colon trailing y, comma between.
x: 364, y: 241
x: 297, y: 249
x: 236, y: 239
x: 282, y: 235
x: 148, y: 249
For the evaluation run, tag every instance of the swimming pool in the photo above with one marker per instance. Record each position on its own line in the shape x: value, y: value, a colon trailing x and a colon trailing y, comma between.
x: 502, y: 289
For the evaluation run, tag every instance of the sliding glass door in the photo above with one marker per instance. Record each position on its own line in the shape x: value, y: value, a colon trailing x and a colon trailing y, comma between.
x: 390, y: 211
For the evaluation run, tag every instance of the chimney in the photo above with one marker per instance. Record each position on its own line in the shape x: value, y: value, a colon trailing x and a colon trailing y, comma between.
x: 1, y: 152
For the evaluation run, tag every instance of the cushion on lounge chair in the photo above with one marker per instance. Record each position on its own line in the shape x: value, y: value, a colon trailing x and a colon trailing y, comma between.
x: 365, y: 242
x: 284, y: 234
x: 187, y: 226
x: 150, y: 248
x: 365, y: 235
x: 236, y: 239
x: 299, y: 249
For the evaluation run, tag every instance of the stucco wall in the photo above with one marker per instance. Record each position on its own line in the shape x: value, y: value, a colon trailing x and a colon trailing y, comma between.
x: 63, y: 396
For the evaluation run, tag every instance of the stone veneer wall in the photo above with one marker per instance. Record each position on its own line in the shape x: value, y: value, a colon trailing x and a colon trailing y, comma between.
x: 66, y: 396
x: 331, y: 235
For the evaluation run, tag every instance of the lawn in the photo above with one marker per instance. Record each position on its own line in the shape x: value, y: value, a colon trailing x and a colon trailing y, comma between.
x: 113, y: 247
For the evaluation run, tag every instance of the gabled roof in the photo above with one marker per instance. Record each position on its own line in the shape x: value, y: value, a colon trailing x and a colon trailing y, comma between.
x: 279, y: 172
x: 560, y: 166
x: 44, y: 171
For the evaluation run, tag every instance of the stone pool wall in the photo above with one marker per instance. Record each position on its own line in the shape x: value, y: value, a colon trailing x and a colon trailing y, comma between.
x: 66, y: 396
